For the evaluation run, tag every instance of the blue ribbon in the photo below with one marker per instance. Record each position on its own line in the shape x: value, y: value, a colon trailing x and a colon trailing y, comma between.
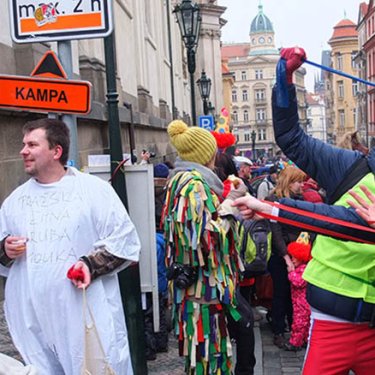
x: 331, y: 70
x: 282, y: 96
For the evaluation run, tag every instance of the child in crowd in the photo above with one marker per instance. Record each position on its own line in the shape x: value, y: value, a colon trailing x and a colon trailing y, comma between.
x: 300, y: 252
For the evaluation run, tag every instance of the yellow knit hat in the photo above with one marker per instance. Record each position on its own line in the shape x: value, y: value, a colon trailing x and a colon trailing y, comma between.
x: 192, y: 143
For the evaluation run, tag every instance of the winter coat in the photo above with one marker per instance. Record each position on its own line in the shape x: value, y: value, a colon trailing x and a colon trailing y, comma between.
x: 342, y: 267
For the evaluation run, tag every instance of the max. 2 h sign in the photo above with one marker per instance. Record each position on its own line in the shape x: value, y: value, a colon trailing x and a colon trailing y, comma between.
x: 35, y: 21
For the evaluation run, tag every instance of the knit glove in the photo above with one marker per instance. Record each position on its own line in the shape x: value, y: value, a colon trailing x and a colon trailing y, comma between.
x: 294, y: 59
x: 238, y: 192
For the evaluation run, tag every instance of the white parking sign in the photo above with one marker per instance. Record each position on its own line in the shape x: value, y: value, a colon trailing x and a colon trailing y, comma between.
x: 37, y: 21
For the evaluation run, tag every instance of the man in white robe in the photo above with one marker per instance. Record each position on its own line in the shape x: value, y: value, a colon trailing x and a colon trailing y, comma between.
x: 66, y: 218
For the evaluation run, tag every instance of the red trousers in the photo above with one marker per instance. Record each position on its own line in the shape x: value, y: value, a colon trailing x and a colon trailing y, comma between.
x: 335, y: 348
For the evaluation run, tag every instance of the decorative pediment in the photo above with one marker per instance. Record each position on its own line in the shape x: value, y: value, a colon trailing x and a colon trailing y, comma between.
x: 262, y: 60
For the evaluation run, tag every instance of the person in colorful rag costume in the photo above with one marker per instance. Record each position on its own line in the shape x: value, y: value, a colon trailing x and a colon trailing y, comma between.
x: 201, y: 252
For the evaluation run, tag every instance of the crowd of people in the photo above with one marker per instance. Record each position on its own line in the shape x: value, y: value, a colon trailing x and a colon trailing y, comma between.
x: 62, y: 221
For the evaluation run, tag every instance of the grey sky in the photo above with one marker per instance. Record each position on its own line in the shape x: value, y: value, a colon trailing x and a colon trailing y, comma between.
x: 306, y: 23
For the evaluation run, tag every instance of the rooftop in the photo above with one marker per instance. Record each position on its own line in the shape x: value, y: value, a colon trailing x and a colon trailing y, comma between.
x: 344, y: 29
x: 261, y: 22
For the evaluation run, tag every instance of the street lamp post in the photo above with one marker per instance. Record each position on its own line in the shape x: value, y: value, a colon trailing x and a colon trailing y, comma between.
x: 204, y: 84
x: 211, y: 109
x: 253, y: 137
x: 189, y: 21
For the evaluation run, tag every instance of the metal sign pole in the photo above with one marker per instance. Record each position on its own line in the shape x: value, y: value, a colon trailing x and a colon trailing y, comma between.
x: 129, y: 278
x: 65, y: 57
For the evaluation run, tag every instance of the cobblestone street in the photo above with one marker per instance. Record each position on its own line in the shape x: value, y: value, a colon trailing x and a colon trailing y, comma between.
x: 270, y: 359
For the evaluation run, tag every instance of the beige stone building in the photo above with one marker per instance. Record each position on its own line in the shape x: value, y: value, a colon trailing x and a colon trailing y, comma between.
x: 228, y: 82
x: 316, y: 116
x: 344, y: 48
x: 253, y: 65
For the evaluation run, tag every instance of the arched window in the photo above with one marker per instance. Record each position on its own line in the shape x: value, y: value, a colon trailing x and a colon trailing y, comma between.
x: 246, y: 115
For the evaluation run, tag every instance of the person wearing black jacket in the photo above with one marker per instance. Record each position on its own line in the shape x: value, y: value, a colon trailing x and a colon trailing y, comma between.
x: 289, y: 184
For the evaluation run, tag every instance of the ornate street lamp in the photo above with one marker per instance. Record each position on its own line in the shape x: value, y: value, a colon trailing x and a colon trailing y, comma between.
x: 253, y: 138
x: 204, y: 84
x: 189, y: 21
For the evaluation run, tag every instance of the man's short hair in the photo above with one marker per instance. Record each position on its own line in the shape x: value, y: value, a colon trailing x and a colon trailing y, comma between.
x: 57, y: 134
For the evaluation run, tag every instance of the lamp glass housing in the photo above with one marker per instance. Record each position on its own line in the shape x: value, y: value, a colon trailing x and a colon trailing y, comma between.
x: 189, y: 21
x: 204, y: 84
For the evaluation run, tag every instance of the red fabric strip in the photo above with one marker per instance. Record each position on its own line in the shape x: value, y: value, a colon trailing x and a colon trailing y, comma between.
x: 321, y: 217
x: 314, y: 228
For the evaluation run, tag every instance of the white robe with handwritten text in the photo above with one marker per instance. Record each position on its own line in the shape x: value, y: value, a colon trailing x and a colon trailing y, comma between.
x: 63, y: 221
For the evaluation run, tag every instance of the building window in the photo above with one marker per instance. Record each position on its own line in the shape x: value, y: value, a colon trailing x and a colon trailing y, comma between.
x: 258, y: 74
x: 341, y: 118
x: 234, y: 96
x: 246, y: 115
x: 235, y: 116
x: 260, y: 115
x: 340, y: 89
x: 354, y: 116
x: 354, y: 64
x: 244, y: 95
x: 354, y: 88
x: 339, y: 61
x: 247, y: 137
x: 260, y: 95
x: 261, y: 134
x: 243, y: 75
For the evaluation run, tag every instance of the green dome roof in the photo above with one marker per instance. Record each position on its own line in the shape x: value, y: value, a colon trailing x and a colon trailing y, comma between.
x: 261, y: 23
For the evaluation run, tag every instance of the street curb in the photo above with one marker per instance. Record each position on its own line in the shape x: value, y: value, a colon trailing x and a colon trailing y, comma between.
x: 258, y: 351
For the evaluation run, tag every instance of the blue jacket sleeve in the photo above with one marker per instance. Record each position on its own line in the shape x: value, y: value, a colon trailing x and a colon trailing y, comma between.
x: 162, y: 270
x: 323, y: 162
x: 337, y: 212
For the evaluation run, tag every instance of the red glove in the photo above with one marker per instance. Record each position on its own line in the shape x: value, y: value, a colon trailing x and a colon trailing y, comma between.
x: 80, y: 275
x: 75, y: 274
x: 294, y: 58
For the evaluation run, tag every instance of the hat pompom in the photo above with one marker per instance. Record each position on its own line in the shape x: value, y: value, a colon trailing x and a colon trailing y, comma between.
x: 300, y: 250
x: 224, y: 140
x: 192, y: 143
x: 177, y: 127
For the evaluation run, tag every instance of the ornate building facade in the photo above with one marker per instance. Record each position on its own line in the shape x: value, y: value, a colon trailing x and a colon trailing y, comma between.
x: 316, y: 116
x: 253, y: 65
x: 344, y: 48
x: 367, y: 42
